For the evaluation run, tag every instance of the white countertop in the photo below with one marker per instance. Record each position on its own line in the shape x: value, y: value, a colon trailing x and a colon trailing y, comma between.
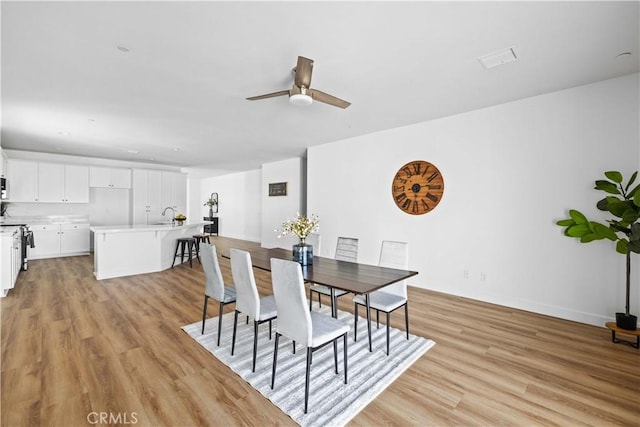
x: 46, y: 219
x: 146, y: 227
x: 8, y: 229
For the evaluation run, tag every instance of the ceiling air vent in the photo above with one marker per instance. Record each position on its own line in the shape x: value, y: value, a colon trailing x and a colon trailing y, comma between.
x: 498, y: 57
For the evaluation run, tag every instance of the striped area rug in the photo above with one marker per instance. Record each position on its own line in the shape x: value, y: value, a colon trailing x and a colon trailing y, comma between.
x: 331, y: 402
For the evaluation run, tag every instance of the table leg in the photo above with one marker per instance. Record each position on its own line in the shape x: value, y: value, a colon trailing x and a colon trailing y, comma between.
x: 366, y: 300
x: 334, y: 308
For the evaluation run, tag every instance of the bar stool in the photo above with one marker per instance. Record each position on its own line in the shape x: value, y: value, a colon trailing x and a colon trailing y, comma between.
x: 202, y: 237
x: 188, y: 243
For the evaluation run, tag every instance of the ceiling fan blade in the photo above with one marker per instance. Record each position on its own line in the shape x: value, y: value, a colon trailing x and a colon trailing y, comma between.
x: 328, y: 99
x: 303, y: 72
x: 269, y: 95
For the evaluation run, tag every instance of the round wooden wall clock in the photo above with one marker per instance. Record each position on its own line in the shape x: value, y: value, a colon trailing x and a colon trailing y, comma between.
x: 417, y: 187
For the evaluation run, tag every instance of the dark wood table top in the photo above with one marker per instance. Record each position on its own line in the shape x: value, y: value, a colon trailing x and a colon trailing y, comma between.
x: 348, y: 276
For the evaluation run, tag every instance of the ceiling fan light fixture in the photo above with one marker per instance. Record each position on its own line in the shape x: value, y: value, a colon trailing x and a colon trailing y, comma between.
x: 300, y: 99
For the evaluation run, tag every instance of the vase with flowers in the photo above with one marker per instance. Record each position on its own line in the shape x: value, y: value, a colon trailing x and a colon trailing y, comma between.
x: 212, y: 202
x: 301, y: 227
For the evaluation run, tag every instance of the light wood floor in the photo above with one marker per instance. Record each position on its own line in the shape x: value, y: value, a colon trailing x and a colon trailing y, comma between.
x: 72, y: 346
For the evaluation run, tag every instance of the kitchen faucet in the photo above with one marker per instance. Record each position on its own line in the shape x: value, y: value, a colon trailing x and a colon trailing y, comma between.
x: 173, y: 218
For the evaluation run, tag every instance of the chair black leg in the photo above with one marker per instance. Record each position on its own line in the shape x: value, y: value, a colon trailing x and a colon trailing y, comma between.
x: 406, y: 318
x: 175, y: 254
x: 320, y: 299
x: 270, y: 329
x: 182, y: 246
x: 275, y: 360
x: 310, y: 300
x: 204, y: 315
x: 335, y: 354
x: 377, y: 319
x: 233, y: 340
x: 387, y: 333
x: 355, y: 321
x: 190, y: 245
x: 306, y: 383
x: 344, y: 342
x: 294, y: 347
x: 255, y: 345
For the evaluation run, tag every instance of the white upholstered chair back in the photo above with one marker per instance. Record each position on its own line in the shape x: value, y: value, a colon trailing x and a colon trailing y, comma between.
x: 213, y: 275
x: 247, y: 297
x: 347, y: 249
x: 313, y: 239
x: 395, y: 255
x: 294, y: 319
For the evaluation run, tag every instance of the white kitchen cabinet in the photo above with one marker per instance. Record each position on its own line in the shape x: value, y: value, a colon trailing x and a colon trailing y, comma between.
x: 174, y: 191
x: 47, y: 241
x: 74, y: 239
x: 10, y: 259
x: 22, y: 180
x: 55, y: 240
x: 63, y: 183
x: 3, y: 164
x: 146, y: 196
x: 109, y: 177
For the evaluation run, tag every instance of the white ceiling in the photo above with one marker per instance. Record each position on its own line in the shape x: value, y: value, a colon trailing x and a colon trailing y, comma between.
x: 178, y: 95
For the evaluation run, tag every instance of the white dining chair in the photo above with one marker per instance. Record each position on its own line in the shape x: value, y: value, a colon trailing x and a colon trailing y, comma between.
x: 391, y: 297
x: 311, y: 329
x: 314, y: 239
x: 214, y: 285
x: 346, y: 250
x: 248, y: 300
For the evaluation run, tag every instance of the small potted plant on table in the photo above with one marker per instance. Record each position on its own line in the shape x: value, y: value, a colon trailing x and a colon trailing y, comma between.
x: 180, y: 218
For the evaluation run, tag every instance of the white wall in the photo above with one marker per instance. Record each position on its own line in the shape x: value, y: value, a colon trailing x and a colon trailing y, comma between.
x: 276, y: 209
x: 510, y: 172
x: 238, y: 203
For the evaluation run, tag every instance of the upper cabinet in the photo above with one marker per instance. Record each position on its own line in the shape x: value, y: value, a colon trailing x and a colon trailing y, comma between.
x: 63, y: 183
x: 3, y: 164
x: 22, y: 180
x: 109, y: 177
x: 31, y: 181
x: 146, y: 196
x: 174, y: 191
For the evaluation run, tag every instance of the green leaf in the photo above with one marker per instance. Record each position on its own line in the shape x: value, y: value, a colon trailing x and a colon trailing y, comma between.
x: 636, y: 198
x: 589, y: 238
x: 603, y: 204
x: 633, y: 192
x: 616, y: 207
x: 634, y: 247
x: 621, y: 246
x: 578, y: 217
x: 631, y: 180
x: 603, y: 231
x: 577, y: 230
x: 565, y: 222
x: 614, y: 176
x: 635, y: 232
x: 607, y: 187
x: 630, y: 215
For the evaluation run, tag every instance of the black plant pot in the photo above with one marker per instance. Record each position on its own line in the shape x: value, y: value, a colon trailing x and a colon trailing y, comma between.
x: 626, y: 321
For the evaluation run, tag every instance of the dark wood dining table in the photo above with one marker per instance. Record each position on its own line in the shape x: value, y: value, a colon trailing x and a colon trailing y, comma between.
x: 347, y: 276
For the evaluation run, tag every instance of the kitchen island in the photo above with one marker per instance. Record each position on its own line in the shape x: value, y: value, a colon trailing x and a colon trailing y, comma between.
x: 126, y: 250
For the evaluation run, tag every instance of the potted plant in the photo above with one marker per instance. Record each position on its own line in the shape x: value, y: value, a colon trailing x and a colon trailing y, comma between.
x: 624, y: 228
x: 180, y: 218
x: 211, y: 202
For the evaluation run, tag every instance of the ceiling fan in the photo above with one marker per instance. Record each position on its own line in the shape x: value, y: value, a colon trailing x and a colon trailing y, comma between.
x: 301, y: 93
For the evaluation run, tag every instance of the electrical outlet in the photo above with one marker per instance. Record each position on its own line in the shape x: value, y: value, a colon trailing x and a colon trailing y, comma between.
x: 466, y: 273
x: 483, y: 277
